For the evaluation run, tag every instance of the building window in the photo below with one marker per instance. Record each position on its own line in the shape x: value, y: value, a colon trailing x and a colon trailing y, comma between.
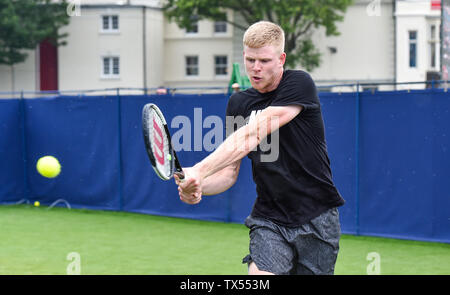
x: 111, y: 67
x: 220, y: 27
x: 194, y: 25
x: 434, y: 46
x: 110, y: 23
x: 191, y: 66
x: 221, y: 65
x: 412, y: 49
x: 193, y: 29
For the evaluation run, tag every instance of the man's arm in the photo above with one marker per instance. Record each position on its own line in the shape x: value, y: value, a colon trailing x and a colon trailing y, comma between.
x: 212, y: 185
x: 234, y: 148
x: 246, y: 139
x: 221, y: 180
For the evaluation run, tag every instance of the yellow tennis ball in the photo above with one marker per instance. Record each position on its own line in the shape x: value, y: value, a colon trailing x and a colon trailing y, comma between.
x: 37, y: 204
x: 48, y: 166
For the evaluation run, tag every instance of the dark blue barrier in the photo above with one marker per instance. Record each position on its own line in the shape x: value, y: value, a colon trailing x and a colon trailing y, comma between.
x: 404, y: 162
x: 82, y: 134
x: 388, y: 151
x: 12, y: 167
x: 339, y: 112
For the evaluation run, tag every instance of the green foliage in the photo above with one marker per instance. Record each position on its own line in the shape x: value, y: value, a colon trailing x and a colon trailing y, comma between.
x: 296, y: 17
x: 26, y: 23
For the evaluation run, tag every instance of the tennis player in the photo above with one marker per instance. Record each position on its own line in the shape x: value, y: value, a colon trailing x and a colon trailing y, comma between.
x: 294, y: 224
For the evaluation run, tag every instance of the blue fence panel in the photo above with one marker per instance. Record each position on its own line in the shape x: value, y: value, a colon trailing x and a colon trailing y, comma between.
x: 82, y: 133
x: 440, y: 157
x: 339, y: 112
x: 12, y: 176
x: 395, y: 164
x: 397, y: 141
x: 388, y: 152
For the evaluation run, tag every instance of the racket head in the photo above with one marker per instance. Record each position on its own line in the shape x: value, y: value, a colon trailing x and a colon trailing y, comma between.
x: 157, y: 141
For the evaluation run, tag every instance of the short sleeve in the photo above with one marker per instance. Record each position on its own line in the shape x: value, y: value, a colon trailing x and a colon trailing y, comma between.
x: 230, y: 106
x: 297, y: 88
x: 231, y: 113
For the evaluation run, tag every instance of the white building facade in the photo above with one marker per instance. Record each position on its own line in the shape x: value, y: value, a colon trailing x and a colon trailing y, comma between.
x: 418, y: 42
x: 132, y: 45
x: 200, y: 57
x: 363, y: 52
x: 112, y: 46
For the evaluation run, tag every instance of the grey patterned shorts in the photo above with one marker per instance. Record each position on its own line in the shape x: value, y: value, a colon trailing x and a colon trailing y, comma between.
x: 311, y: 248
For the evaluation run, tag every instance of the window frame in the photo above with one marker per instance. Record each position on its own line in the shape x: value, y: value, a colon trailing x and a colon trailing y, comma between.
x: 109, y: 17
x: 224, y: 23
x: 412, y: 43
x: 111, y: 66
x: 187, y: 66
x: 220, y: 65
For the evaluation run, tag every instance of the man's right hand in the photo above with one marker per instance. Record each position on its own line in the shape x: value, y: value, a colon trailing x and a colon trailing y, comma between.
x: 190, y: 188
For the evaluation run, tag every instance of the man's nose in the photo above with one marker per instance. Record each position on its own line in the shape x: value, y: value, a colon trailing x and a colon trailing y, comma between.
x: 257, y: 66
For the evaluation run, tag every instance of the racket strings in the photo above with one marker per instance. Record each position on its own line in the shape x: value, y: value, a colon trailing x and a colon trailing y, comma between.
x: 159, y: 144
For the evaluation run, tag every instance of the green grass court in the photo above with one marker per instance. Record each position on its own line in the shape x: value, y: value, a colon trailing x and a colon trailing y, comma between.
x: 34, y: 240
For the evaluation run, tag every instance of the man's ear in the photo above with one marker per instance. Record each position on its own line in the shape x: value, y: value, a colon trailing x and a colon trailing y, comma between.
x: 283, y: 58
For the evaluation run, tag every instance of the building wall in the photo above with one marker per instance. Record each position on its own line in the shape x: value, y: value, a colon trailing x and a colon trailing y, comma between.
x: 364, y: 49
x: 238, y: 47
x: 415, y: 16
x: 25, y: 77
x: 80, y: 62
x: 205, y: 44
x: 155, y: 51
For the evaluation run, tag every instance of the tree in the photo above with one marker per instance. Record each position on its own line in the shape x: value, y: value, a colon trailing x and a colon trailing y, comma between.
x: 296, y: 17
x: 26, y: 23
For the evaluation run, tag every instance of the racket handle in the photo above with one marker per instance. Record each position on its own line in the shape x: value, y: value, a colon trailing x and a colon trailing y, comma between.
x: 180, y: 175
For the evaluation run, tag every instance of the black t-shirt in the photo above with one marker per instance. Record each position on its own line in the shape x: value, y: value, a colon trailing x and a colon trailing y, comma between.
x: 297, y: 186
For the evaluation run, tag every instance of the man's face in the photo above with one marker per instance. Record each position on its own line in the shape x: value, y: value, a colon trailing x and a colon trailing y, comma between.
x: 264, y: 67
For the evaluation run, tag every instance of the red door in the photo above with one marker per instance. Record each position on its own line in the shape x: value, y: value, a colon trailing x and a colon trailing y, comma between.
x: 48, y: 65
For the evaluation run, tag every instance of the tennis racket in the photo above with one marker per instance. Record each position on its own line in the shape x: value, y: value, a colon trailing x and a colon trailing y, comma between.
x: 158, y: 143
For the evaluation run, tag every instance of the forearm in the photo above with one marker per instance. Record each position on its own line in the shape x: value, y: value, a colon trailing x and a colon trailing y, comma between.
x: 233, y: 149
x: 221, y: 180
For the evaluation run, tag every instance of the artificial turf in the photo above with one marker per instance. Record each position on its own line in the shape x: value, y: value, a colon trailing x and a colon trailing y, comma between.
x: 35, y: 240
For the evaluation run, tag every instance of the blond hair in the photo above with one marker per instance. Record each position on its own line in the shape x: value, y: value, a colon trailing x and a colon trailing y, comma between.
x: 264, y: 33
